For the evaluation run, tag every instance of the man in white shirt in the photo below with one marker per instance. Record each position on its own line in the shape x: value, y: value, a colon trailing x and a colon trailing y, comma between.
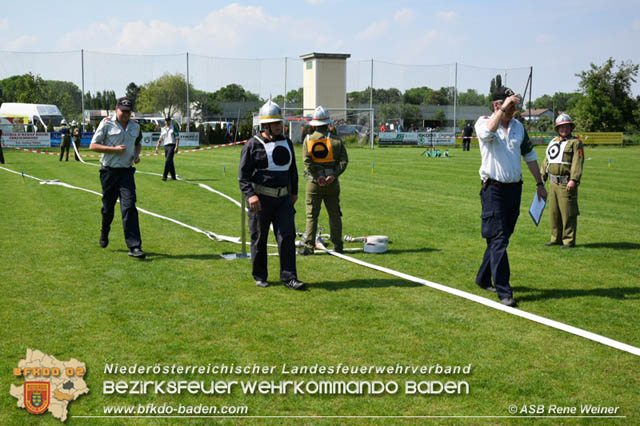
x: 502, y: 140
x: 170, y: 138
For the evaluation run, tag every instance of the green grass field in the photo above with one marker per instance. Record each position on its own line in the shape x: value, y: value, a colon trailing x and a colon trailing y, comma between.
x: 64, y: 295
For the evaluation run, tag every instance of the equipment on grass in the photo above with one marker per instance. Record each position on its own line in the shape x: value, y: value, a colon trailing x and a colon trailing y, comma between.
x: 372, y: 243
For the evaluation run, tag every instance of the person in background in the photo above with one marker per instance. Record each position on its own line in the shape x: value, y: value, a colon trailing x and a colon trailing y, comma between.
x: 1, y: 153
x: 467, y: 132
x: 170, y: 138
x: 77, y: 138
x: 65, y: 139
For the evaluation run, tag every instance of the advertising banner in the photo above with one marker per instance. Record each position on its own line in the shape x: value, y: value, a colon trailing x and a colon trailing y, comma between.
x: 84, y: 142
x: 150, y: 139
x: 26, y: 140
x: 413, y: 138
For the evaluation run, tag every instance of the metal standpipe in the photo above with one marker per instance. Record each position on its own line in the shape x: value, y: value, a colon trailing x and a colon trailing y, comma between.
x: 243, y: 233
x: 243, y: 220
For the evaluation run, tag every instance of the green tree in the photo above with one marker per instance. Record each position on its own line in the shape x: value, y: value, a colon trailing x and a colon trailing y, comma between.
x: 495, y: 84
x: 132, y: 92
x: 27, y: 88
x: 444, y: 96
x: 411, y: 116
x: 167, y: 94
x: 471, y: 97
x: 560, y: 101
x: 295, y: 96
x: 607, y: 104
x: 218, y: 134
x: 234, y: 93
x: 205, y: 105
x: 440, y: 116
x: 389, y: 112
x: 101, y: 100
x: 380, y: 96
x: 65, y: 95
x: 417, y: 95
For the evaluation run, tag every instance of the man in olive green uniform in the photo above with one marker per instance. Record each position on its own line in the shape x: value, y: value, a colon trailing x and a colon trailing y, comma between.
x: 563, y: 167
x: 65, y: 139
x: 325, y: 158
x: 77, y: 137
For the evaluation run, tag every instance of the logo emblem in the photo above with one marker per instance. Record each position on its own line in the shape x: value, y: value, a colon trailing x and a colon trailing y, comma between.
x: 321, y: 150
x: 36, y: 396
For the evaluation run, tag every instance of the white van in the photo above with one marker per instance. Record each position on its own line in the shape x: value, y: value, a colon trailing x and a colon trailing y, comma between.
x: 37, y: 113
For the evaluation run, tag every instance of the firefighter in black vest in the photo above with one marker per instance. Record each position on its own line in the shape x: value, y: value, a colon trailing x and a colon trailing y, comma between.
x: 65, y: 139
x: 268, y: 178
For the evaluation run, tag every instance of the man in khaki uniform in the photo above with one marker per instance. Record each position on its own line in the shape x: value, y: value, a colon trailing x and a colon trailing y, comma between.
x: 77, y: 137
x: 562, y: 165
x: 325, y: 158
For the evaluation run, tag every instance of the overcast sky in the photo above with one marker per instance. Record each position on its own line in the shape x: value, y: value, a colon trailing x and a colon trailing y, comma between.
x: 557, y: 38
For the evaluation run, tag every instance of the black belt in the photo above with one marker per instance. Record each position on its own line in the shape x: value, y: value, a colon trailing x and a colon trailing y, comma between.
x: 489, y: 181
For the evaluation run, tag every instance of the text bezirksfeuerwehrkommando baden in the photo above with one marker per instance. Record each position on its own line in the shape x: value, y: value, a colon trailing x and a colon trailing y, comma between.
x: 225, y: 385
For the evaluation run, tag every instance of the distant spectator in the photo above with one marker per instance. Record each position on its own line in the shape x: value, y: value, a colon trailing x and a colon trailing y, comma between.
x: 1, y: 153
x: 467, y: 132
x: 170, y: 138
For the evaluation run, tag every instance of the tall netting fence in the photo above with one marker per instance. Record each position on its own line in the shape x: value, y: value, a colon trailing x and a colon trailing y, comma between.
x: 229, y: 91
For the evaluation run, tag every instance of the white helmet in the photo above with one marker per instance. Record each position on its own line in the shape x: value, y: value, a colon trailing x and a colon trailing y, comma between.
x: 320, y: 117
x: 564, y: 119
x: 63, y: 121
x: 74, y: 123
x: 270, y: 112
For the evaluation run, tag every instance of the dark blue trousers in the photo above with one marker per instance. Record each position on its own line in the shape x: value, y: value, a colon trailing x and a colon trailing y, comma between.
x: 169, y: 167
x: 119, y: 182
x: 500, y: 210
x: 279, y: 212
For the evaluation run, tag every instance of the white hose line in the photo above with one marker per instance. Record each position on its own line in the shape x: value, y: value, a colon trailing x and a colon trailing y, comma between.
x: 208, y: 188
x: 492, y: 304
x: 21, y: 174
x: 209, y: 234
x: 78, y: 156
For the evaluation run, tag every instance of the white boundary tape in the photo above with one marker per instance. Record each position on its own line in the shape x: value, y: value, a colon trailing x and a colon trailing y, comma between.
x: 463, y: 294
x: 181, y: 151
